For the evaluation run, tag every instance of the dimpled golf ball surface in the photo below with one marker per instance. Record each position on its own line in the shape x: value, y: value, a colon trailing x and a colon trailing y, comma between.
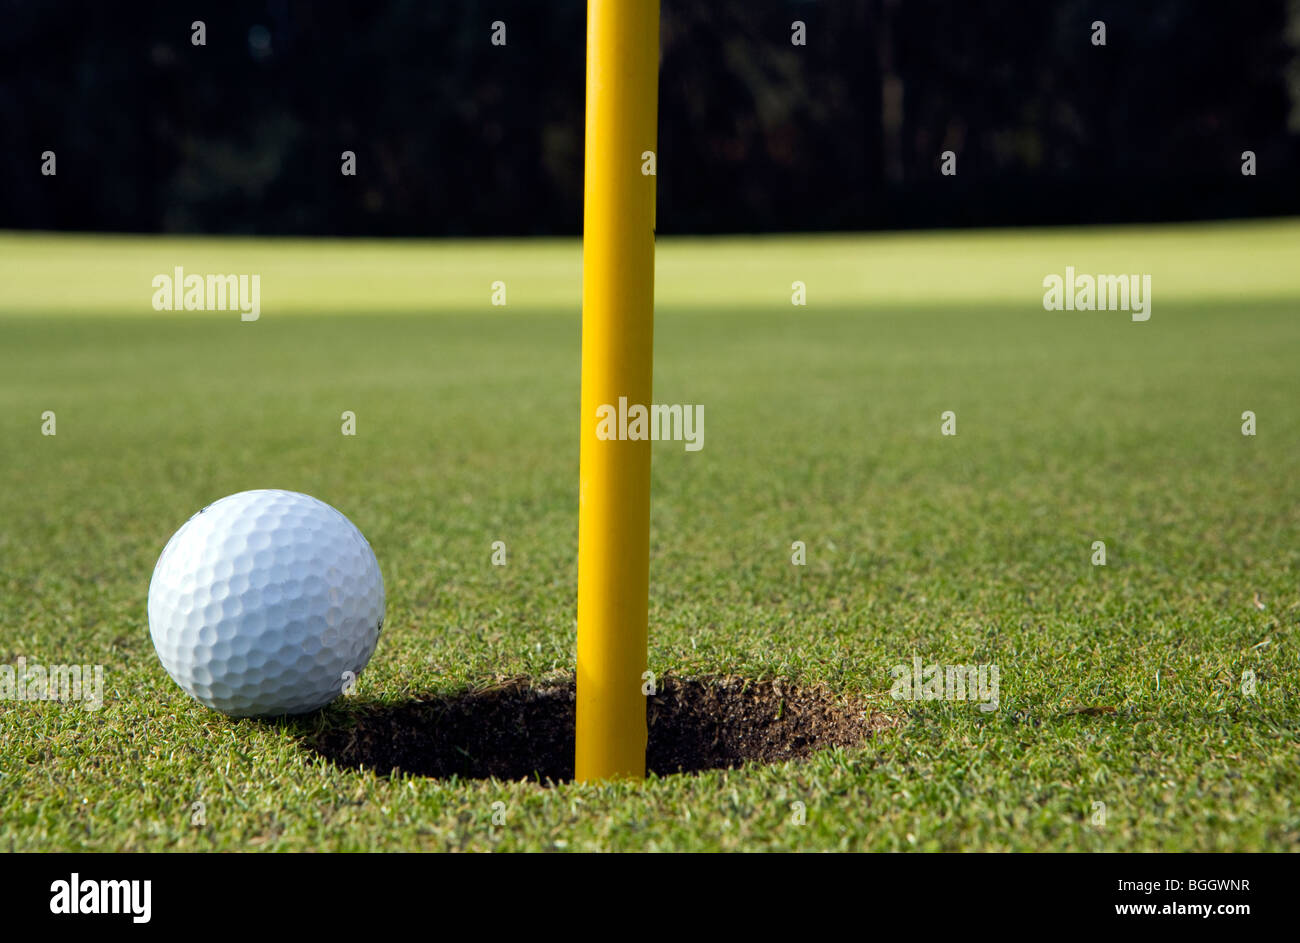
x: 263, y: 601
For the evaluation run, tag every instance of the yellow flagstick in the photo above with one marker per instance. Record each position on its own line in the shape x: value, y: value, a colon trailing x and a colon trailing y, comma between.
x: 617, y: 346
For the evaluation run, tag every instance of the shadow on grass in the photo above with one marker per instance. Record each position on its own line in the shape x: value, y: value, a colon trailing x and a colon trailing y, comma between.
x: 516, y: 730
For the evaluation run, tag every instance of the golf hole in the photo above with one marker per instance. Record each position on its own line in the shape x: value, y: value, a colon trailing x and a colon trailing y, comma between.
x: 518, y: 730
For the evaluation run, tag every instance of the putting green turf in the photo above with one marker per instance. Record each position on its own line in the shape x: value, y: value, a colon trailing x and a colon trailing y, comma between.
x: 822, y: 425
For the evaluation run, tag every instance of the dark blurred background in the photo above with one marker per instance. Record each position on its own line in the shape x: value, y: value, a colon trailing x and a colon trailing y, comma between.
x: 454, y: 135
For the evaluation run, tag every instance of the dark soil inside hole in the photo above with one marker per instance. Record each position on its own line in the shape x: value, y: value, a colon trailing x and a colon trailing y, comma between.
x: 515, y: 730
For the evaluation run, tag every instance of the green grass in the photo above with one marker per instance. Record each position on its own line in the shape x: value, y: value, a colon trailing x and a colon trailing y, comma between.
x: 822, y: 426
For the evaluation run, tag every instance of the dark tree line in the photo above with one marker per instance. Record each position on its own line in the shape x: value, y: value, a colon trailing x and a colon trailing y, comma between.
x: 454, y: 135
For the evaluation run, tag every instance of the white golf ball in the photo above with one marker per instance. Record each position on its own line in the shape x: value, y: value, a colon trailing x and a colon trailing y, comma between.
x: 266, y: 603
